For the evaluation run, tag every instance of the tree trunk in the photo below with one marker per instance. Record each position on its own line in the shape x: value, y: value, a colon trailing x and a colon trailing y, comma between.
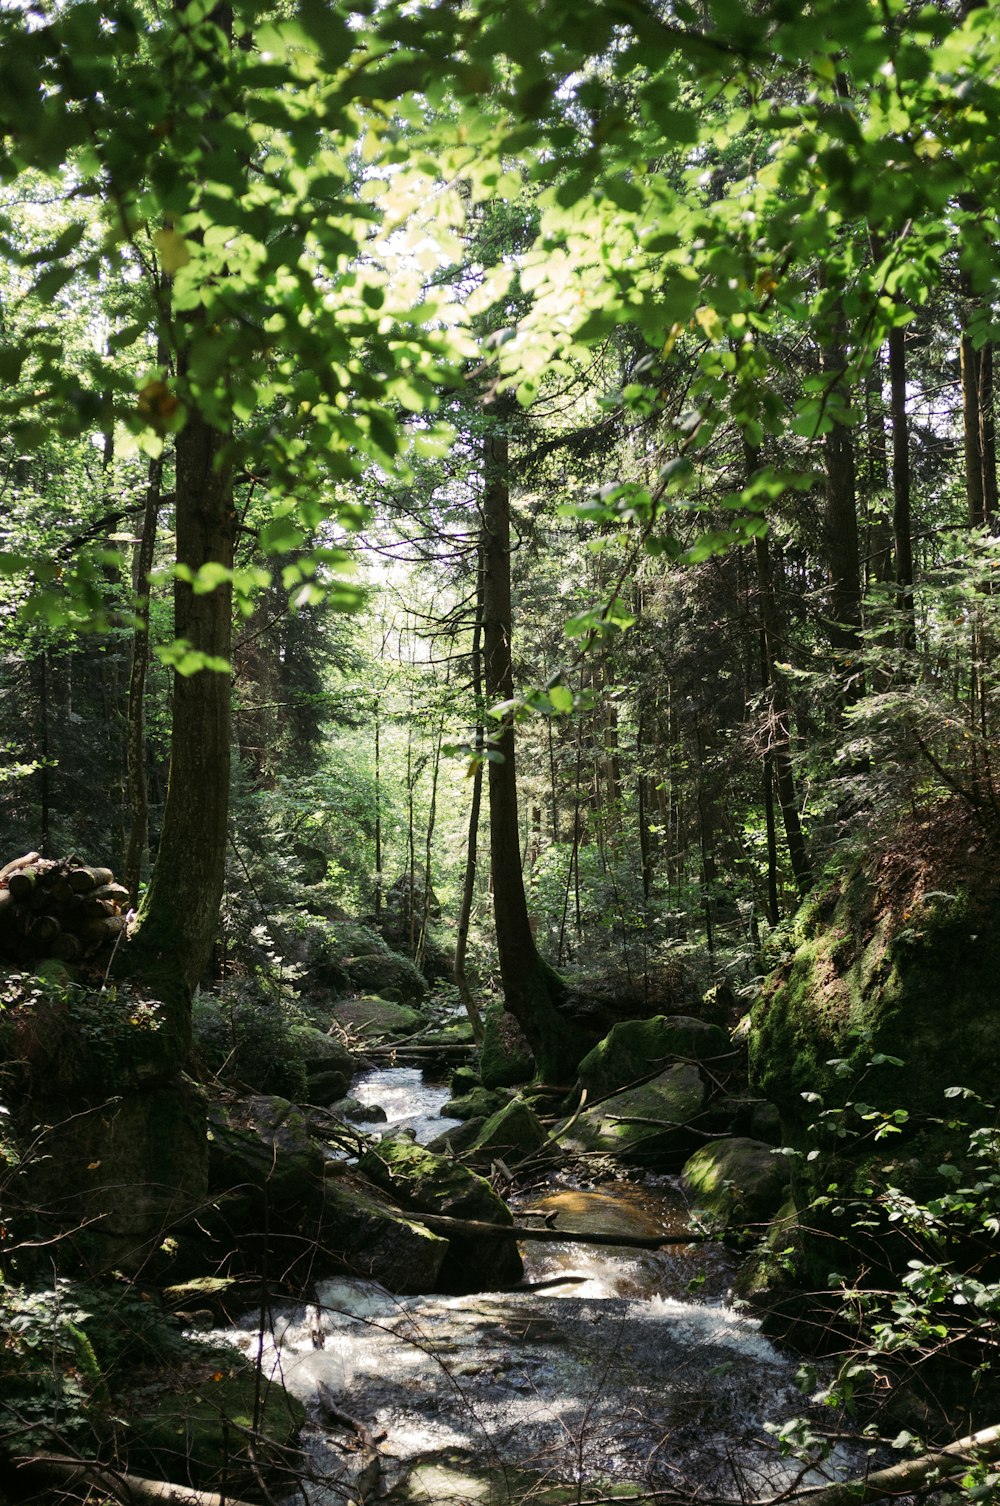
x: 475, y: 807
x: 773, y: 906
x: 971, y: 432
x: 138, y: 795
x: 843, y: 552
x: 179, y: 917
x: 901, y: 524
x: 878, y: 535
x: 530, y: 987
x: 420, y: 950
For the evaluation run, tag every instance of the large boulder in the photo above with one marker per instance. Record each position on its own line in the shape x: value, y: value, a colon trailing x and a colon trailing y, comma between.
x: 389, y: 974
x: 477, y: 1103
x: 736, y: 1182
x: 329, y: 1066
x: 261, y: 1146
x: 366, y: 1235
x: 429, y: 1183
x: 636, y: 1049
x: 512, y: 1134
x: 373, y: 1018
x: 647, y: 1125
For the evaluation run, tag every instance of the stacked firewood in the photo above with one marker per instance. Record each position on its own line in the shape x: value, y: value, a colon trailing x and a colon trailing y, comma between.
x: 58, y: 907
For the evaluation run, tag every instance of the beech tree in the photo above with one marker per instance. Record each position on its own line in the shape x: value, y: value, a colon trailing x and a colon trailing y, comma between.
x: 282, y: 193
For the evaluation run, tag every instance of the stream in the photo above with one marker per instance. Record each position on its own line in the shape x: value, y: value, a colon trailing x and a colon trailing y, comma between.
x: 625, y: 1366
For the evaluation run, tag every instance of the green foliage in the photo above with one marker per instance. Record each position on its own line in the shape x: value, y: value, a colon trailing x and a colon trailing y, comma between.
x: 246, y: 1034
x: 920, y: 1299
x: 68, y: 1348
x: 58, y: 1037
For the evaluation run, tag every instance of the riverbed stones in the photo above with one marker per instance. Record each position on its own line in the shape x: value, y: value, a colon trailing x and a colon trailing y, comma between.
x: 427, y: 1183
x: 738, y: 1181
x: 635, y: 1049
x: 577, y: 1212
x: 646, y: 1125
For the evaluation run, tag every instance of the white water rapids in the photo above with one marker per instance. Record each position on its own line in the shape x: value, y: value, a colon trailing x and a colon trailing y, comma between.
x: 474, y: 1399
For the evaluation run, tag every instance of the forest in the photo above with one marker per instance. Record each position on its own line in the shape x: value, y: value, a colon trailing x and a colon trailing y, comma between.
x: 499, y: 751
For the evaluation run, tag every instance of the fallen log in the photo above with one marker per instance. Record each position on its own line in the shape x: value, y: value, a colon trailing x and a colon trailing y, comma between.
x: 21, y: 883
x: 438, y: 1223
x: 8, y: 868
x: 121, y: 1485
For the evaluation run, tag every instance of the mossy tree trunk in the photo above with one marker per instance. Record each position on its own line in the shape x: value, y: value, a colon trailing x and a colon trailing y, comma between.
x: 531, y: 988
x: 178, y: 920
x: 179, y: 917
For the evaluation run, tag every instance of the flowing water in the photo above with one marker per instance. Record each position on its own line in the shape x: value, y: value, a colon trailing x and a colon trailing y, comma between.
x: 410, y: 1103
x: 609, y: 1372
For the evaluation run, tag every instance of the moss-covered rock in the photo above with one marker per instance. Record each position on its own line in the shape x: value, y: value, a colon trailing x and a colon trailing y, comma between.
x: 463, y: 1080
x: 374, y: 1018
x: 456, y: 1140
x: 649, y: 1125
x: 505, y: 1058
x: 357, y: 1112
x: 737, y: 1182
x: 635, y: 1049
x: 219, y: 1426
x: 388, y: 974
x: 896, y: 959
x: 478, y: 1103
x: 366, y: 1235
x: 322, y: 1052
x: 262, y: 1145
x: 428, y: 1183
x: 512, y: 1134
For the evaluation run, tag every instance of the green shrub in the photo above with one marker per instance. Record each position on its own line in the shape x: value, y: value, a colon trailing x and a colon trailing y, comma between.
x: 248, y: 1034
x: 66, y: 1349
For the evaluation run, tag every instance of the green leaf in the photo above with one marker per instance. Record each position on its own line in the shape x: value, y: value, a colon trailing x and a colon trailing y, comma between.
x: 185, y: 660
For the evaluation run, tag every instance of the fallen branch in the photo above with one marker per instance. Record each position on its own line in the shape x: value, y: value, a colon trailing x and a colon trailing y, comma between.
x: 440, y: 1224
x: 371, y: 1471
x: 131, y: 1490
x: 903, y: 1478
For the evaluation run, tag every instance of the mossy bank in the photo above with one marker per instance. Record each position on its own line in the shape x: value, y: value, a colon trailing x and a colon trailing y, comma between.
x: 888, y: 996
